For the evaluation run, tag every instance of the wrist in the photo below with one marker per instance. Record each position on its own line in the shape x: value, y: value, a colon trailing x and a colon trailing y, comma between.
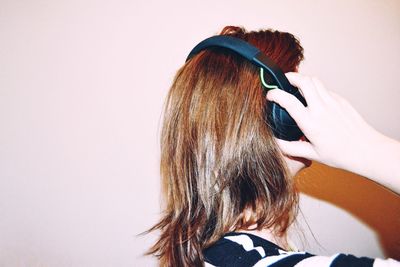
x: 379, y: 161
x: 364, y: 152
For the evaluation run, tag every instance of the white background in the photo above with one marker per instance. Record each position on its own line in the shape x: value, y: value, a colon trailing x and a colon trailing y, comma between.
x: 82, y: 85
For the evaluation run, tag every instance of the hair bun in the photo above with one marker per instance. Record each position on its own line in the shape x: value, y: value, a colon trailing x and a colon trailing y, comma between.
x: 233, y: 30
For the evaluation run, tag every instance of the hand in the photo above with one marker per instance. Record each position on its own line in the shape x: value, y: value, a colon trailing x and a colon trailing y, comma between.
x: 338, y: 135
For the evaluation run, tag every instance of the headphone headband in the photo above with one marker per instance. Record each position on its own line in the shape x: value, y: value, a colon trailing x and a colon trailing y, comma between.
x: 248, y: 51
x: 283, y: 126
x: 235, y: 44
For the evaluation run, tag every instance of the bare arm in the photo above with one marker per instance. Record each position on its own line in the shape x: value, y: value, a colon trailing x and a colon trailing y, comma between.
x: 338, y: 135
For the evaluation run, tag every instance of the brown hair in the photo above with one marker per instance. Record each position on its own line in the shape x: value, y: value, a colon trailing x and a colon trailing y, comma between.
x: 218, y: 155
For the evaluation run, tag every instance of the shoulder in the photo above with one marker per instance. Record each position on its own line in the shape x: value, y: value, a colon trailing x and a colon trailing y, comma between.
x: 242, y: 249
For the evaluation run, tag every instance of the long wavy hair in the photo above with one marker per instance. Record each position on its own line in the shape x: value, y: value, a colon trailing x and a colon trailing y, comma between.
x: 221, y: 169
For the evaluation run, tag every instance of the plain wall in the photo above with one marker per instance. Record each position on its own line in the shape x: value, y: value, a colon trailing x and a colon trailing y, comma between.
x: 82, y: 84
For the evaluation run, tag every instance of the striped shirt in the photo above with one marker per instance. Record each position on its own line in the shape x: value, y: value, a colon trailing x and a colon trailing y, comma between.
x: 244, y: 250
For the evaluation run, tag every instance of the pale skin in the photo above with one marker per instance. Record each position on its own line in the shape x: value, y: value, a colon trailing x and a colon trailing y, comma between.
x: 338, y: 137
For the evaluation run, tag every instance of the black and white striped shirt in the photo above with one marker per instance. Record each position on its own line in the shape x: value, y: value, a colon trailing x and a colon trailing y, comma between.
x: 244, y: 250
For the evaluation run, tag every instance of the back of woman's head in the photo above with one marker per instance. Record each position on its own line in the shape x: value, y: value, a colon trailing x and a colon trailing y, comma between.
x: 220, y: 166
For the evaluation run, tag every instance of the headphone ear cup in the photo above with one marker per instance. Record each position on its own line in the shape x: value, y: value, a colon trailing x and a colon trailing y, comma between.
x: 282, y: 124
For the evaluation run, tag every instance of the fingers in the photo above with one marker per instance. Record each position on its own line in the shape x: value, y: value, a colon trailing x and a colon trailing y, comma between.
x: 305, y: 85
x: 321, y: 90
x: 312, y: 88
x: 297, y: 149
x: 292, y: 105
x: 337, y: 97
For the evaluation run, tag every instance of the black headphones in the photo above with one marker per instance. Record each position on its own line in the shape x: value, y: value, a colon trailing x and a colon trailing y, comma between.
x: 283, y: 126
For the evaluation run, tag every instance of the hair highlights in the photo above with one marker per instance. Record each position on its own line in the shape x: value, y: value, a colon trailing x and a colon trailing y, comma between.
x: 220, y: 167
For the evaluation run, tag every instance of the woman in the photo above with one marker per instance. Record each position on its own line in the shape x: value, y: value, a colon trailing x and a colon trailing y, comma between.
x: 229, y: 192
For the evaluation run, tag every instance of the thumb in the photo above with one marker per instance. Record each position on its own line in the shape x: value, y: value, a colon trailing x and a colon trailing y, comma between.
x: 297, y: 149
